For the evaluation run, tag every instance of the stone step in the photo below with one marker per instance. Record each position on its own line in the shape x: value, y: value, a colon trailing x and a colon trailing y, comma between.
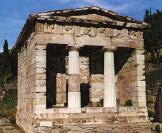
x: 97, y: 120
x: 101, y: 119
x: 99, y: 128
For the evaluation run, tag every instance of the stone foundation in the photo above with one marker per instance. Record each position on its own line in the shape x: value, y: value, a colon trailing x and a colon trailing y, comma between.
x: 93, y: 115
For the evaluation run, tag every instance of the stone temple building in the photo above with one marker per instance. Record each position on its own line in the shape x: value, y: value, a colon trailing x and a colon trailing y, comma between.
x: 83, y: 65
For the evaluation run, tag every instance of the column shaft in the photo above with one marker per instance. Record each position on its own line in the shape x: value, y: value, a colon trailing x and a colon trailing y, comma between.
x: 73, y: 62
x: 74, y: 98
x: 109, y: 80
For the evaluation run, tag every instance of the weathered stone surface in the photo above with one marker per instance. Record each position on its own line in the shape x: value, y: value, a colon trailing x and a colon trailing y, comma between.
x: 61, y: 68
x: 100, y: 128
x: 46, y: 124
x: 61, y: 89
x: 97, y: 86
x: 74, y: 83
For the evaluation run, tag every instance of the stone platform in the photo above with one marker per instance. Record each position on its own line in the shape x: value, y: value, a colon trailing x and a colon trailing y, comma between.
x: 91, y: 115
x: 99, y: 128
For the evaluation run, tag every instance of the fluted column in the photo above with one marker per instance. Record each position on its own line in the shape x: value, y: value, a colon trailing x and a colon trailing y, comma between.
x: 109, y: 78
x: 74, y: 96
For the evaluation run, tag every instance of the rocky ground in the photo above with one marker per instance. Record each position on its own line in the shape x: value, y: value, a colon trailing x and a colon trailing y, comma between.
x: 7, y: 127
x: 12, y: 85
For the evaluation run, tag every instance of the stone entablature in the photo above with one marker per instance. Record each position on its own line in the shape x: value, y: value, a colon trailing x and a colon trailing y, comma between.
x: 85, y: 21
x: 79, y: 31
x: 73, y: 35
x: 75, y: 68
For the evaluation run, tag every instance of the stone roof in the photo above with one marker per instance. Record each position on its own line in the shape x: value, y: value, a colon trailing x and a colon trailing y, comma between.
x: 86, y: 10
x: 65, y: 16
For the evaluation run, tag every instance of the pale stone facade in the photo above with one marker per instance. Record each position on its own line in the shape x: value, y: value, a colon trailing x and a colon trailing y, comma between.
x: 82, y: 65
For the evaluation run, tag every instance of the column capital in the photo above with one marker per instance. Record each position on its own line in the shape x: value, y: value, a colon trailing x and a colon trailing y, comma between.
x: 71, y: 48
x: 110, y: 48
x: 140, y: 49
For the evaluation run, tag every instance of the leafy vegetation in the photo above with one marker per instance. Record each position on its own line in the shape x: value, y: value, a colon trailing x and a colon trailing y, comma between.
x: 8, y: 63
x: 8, y: 105
x: 153, y: 34
x: 153, y: 76
x: 153, y: 45
x: 8, y: 71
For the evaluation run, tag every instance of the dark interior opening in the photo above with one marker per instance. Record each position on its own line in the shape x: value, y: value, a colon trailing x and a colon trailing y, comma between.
x: 55, y: 64
x: 96, y: 60
x: 96, y: 66
x: 85, y: 98
x: 121, y: 56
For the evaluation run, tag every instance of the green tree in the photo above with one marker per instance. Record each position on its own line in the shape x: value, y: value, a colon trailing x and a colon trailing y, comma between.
x: 5, y: 48
x: 13, y: 60
x: 153, y: 34
x: 6, y: 65
x: 1, y: 72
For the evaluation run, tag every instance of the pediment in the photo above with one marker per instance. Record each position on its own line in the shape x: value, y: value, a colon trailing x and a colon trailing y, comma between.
x: 93, y: 17
x: 89, y: 13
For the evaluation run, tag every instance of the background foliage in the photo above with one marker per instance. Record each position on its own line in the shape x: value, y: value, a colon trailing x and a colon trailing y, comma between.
x: 8, y: 63
x: 153, y: 34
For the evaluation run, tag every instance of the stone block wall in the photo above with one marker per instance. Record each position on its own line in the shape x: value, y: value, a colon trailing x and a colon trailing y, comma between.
x: 26, y: 85
x: 97, y: 88
x: 125, y: 80
x: 61, y: 91
x: 131, y: 80
x: 140, y: 75
x: 84, y: 69
x: 39, y: 101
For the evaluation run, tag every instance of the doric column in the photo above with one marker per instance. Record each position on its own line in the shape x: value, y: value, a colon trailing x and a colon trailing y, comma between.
x: 109, y: 78
x: 74, y: 96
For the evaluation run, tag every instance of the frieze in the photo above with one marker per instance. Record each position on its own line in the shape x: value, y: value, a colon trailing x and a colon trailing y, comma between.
x: 108, y: 32
x: 93, y: 32
x: 101, y: 30
x: 84, y: 31
x: 79, y: 31
x: 139, y: 35
x: 68, y: 28
x: 117, y: 33
x: 135, y: 35
x: 132, y: 34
